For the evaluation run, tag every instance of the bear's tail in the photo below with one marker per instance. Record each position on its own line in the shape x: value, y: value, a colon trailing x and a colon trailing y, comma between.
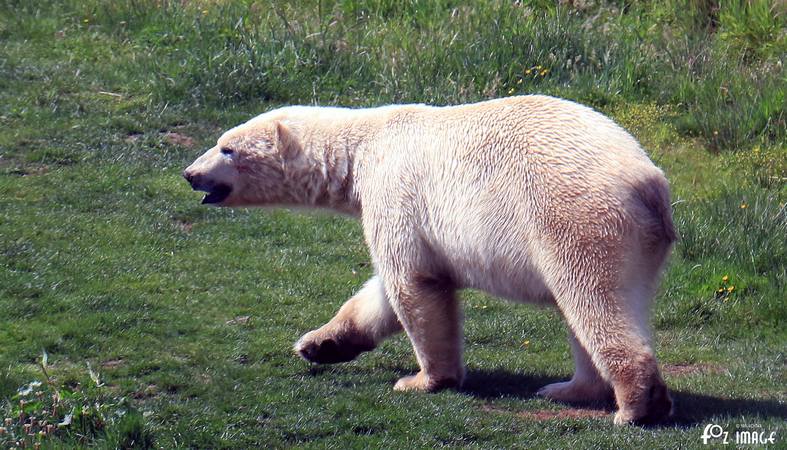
x: 655, y: 196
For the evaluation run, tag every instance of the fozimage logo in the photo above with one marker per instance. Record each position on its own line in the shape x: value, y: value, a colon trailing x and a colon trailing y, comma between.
x: 748, y: 434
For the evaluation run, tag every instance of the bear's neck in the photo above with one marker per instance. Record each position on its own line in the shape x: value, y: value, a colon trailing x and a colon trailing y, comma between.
x: 332, y: 153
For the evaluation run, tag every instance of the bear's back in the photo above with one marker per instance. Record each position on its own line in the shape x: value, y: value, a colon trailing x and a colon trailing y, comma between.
x: 525, y: 139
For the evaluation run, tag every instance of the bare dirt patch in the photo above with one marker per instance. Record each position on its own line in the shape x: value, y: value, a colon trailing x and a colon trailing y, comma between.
x: 133, y: 137
x: 30, y: 169
x: 149, y: 391
x: 178, y: 139
x: 184, y: 226
x: 541, y: 415
x: 240, y: 320
x: 692, y: 369
x: 113, y: 363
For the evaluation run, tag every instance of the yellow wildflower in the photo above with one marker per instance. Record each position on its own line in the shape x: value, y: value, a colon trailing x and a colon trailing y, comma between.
x: 744, y: 206
x: 528, y: 71
x: 725, y: 278
x: 730, y: 289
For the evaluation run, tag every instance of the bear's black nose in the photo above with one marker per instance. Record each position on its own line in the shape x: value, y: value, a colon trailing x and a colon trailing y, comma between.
x: 188, y: 176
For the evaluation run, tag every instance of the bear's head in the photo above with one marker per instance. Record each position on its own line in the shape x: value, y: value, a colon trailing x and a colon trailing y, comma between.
x: 251, y: 165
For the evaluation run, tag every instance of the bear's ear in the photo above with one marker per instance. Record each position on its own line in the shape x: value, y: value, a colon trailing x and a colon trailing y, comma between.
x: 287, y: 143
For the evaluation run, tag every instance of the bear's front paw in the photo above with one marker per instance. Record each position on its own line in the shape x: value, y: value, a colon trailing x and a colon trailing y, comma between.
x: 424, y: 383
x: 332, y: 349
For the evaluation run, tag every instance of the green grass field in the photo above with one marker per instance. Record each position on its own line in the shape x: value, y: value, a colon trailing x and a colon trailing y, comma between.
x: 153, y: 321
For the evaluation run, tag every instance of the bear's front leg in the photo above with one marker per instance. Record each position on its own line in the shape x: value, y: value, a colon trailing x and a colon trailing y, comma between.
x: 430, y: 314
x: 359, y: 326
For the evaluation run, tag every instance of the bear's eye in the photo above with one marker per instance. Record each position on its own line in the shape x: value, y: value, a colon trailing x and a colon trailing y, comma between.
x: 227, y: 151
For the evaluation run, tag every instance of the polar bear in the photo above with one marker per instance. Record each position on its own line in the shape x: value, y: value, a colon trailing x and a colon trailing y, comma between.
x: 529, y: 198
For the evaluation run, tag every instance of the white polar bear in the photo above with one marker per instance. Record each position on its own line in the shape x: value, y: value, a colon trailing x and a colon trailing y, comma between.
x: 529, y: 198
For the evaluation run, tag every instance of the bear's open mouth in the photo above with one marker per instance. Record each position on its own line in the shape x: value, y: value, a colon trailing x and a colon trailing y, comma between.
x: 217, y: 193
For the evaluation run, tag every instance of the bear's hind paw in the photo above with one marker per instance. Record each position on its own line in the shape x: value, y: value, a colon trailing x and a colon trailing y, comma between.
x: 579, y: 393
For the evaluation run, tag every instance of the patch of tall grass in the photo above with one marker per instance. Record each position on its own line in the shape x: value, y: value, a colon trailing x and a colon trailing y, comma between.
x: 719, y: 64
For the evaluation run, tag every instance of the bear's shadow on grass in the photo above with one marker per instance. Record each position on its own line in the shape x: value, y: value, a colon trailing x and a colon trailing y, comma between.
x: 500, y: 383
x: 690, y: 408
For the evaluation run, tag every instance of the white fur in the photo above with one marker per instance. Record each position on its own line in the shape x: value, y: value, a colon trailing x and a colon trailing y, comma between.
x: 529, y: 198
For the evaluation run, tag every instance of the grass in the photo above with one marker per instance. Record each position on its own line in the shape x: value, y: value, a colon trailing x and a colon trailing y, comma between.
x: 186, y: 314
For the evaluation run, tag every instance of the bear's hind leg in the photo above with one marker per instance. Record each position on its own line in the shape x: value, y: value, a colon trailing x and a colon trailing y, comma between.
x: 613, y: 328
x: 359, y: 326
x: 586, y: 386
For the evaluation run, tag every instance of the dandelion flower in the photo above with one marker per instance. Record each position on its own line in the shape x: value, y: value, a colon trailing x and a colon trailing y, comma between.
x: 519, y: 81
x: 720, y: 290
x: 526, y: 343
x: 744, y: 206
x: 725, y: 278
x: 528, y: 71
x: 730, y: 289
x: 204, y: 12
x: 544, y: 72
x: 511, y: 91
x: 86, y: 20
